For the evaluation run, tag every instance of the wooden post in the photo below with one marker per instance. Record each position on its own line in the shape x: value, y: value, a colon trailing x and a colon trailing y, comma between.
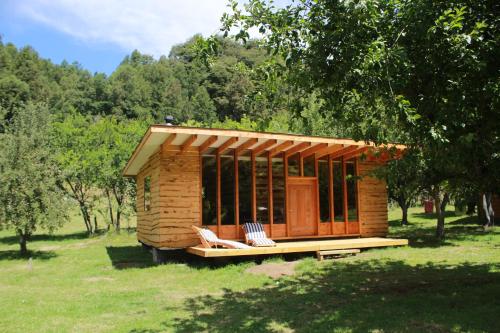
x: 344, y: 185
x: 217, y: 157
x: 316, y: 174
x: 270, y: 192
x: 236, y: 195
x: 357, y: 193
x: 330, y: 193
x: 254, y: 188
x: 285, y: 182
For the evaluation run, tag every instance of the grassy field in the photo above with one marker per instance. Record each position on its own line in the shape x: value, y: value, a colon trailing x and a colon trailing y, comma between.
x: 108, y: 284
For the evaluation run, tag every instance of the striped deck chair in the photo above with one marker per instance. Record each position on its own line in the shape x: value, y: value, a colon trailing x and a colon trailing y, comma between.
x: 209, y: 239
x: 256, y: 236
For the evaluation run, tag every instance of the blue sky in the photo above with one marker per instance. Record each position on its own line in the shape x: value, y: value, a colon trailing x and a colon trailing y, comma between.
x: 98, y: 34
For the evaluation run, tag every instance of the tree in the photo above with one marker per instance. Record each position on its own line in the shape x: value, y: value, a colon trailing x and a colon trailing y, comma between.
x: 403, y: 179
x: 73, y: 155
x: 112, y: 144
x: 427, y: 70
x: 29, y: 195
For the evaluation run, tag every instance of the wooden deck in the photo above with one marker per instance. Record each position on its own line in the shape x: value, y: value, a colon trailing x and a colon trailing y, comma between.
x: 301, y: 246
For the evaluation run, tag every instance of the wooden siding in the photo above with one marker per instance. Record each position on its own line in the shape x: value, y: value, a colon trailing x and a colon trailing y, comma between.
x: 146, y: 220
x: 372, y: 202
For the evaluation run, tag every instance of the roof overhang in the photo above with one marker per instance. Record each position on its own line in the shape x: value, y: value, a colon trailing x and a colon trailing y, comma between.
x: 273, y: 143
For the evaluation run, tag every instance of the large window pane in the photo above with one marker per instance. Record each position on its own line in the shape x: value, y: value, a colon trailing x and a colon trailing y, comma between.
x: 293, y: 165
x: 245, y: 189
x: 309, y: 167
x: 324, y: 200
x: 278, y: 191
x: 261, y: 188
x: 227, y: 189
x: 338, y: 192
x: 352, y: 203
x: 209, y: 190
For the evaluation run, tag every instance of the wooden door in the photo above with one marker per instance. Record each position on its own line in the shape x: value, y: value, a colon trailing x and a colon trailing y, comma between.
x: 302, y: 206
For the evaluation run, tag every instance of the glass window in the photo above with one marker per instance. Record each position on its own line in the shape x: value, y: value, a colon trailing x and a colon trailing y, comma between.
x: 278, y: 191
x: 209, y: 190
x: 324, y: 198
x: 147, y: 193
x: 245, y: 189
x: 261, y: 189
x: 338, y: 192
x: 293, y: 165
x: 352, y: 204
x: 309, y: 167
x: 227, y: 190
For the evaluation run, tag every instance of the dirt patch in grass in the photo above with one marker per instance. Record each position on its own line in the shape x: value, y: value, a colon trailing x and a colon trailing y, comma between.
x: 274, y: 270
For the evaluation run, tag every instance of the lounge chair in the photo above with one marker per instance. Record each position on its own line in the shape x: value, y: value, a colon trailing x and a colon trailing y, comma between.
x: 255, y: 235
x: 209, y: 239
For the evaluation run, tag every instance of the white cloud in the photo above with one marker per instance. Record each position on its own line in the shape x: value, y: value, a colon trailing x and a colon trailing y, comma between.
x: 151, y: 26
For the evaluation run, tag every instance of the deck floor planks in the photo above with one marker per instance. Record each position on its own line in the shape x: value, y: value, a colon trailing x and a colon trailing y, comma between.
x: 301, y: 246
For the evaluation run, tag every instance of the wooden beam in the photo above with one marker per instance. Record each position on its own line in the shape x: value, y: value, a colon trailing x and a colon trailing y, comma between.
x: 313, y: 149
x: 355, y: 153
x: 297, y: 148
x: 189, y: 141
x: 205, y: 145
x: 279, y: 148
x: 260, y: 148
x: 328, y: 150
x: 226, y: 145
x: 285, y: 182
x: 344, y: 151
x: 168, y: 140
x: 246, y: 145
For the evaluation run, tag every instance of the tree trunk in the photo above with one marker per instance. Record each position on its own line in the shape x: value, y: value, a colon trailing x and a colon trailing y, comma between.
x: 110, y: 207
x: 95, y: 223
x: 404, y: 209
x: 23, y: 239
x: 489, y: 214
x: 118, y: 216
x: 440, y: 212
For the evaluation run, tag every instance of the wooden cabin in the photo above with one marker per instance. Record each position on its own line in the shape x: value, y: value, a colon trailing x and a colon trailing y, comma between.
x: 299, y: 187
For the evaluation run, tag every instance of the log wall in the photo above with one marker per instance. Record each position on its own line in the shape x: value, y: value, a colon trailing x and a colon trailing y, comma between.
x: 373, y: 213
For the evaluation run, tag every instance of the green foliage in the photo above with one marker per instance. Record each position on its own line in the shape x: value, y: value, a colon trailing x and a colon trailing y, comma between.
x: 29, y: 193
x: 420, y: 72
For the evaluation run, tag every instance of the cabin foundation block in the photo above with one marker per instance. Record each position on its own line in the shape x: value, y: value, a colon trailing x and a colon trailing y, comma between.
x: 321, y: 254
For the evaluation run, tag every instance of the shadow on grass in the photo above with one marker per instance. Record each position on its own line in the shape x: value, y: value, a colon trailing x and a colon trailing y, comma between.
x: 423, y: 235
x: 125, y: 257
x: 16, y: 255
x: 10, y: 240
x: 355, y: 297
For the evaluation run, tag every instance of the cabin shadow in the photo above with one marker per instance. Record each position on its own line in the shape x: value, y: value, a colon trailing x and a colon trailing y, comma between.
x: 125, y: 257
x: 356, y: 297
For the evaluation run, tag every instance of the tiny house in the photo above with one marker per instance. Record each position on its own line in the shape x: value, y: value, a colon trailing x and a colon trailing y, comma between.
x: 298, y: 187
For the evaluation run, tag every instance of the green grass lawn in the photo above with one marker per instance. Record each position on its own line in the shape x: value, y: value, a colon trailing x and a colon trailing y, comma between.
x: 108, y: 284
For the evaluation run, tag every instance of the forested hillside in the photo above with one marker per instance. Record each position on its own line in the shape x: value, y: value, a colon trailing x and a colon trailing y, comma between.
x: 236, y: 85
